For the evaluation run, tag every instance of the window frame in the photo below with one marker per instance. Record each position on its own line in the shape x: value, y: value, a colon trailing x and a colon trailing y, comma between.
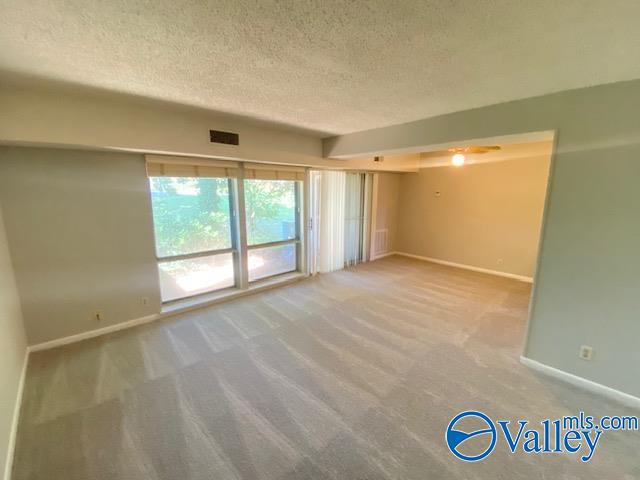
x: 296, y: 240
x: 233, y: 249
x: 238, y: 230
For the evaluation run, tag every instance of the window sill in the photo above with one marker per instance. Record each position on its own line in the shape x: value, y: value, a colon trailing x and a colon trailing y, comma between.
x: 207, y: 299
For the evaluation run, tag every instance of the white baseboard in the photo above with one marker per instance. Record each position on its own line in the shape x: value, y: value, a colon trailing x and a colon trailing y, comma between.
x: 611, y: 393
x: 11, y: 447
x: 522, y: 278
x: 93, y: 333
x: 382, y: 255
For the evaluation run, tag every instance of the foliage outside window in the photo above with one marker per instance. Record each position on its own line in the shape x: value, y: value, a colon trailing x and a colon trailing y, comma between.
x: 190, y: 214
x: 193, y: 232
x: 270, y: 210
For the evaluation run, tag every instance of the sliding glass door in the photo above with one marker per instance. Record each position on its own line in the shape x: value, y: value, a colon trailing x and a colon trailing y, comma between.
x: 224, y: 225
x: 273, y: 226
x: 340, y: 213
x: 192, y: 220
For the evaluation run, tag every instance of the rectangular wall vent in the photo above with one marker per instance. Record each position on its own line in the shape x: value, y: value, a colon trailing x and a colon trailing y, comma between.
x: 381, y: 241
x: 227, y: 138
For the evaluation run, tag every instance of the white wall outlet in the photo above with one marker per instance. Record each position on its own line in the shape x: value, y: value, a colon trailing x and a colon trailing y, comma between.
x: 98, y: 316
x: 586, y: 352
x: 144, y: 301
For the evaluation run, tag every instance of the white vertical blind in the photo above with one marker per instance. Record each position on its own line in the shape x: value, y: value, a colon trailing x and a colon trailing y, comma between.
x: 332, y: 206
x: 366, y: 223
x: 354, y: 212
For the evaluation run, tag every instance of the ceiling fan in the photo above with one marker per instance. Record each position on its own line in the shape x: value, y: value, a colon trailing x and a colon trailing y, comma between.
x: 458, y: 153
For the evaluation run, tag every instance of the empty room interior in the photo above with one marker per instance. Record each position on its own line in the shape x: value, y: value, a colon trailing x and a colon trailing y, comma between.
x: 307, y: 240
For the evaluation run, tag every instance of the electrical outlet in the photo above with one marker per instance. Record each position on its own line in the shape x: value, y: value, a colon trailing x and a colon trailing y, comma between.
x: 98, y: 316
x: 144, y: 301
x: 586, y: 352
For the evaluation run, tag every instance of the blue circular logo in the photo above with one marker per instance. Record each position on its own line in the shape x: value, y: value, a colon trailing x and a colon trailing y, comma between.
x: 455, y: 438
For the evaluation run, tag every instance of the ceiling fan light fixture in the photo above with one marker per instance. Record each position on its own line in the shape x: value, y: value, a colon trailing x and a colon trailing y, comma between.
x: 457, y: 160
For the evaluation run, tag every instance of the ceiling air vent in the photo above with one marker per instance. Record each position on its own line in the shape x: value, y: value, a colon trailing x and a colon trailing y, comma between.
x: 227, y: 138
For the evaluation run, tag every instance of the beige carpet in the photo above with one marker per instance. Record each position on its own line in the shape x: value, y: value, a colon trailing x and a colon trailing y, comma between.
x: 351, y: 375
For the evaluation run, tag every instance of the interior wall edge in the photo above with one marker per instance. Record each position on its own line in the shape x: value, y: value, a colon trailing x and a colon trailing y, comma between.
x: 541, y: 237
x: 16, y: 417
x: 13, y: 351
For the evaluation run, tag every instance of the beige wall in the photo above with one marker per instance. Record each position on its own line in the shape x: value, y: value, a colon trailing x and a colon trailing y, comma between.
x: 386, y: 191
x: 81, y: 236
x: 487, y: 215
x: 12, y: 351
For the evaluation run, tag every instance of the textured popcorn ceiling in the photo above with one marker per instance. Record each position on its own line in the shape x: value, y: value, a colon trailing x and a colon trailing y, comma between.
x: 330, y: 66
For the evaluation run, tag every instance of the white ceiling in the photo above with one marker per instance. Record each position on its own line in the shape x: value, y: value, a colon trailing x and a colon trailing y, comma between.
x: 330, y: 66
